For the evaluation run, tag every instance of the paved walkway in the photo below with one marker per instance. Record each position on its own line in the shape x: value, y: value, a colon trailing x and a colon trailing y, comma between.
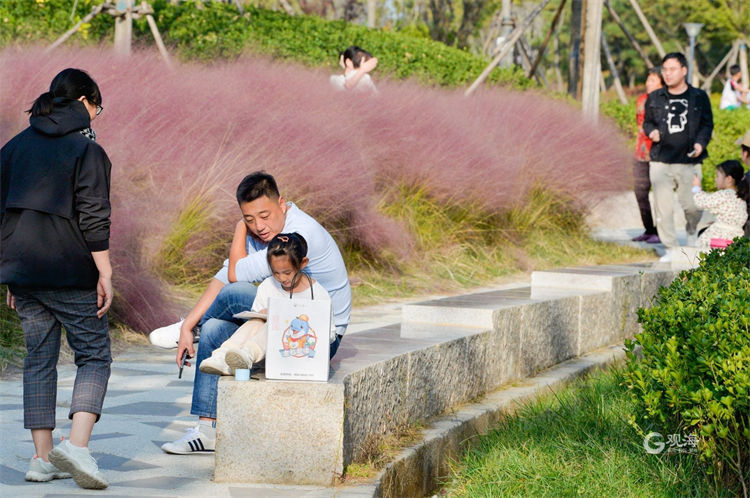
x: 146, y: 405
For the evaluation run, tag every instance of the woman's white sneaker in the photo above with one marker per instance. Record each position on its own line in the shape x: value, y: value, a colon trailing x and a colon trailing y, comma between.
x: 41, y: 471
x: 194, y: 441
x: 78, y: 462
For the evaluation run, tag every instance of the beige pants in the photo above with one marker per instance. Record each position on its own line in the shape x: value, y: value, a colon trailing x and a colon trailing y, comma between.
x: 250, y: 337
x: 665, y: 179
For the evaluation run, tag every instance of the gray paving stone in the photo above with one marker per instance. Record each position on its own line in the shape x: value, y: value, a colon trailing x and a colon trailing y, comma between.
x: 161, y: 408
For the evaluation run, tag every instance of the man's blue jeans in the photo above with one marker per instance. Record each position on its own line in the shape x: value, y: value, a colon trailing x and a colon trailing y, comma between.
x: 217, y: 325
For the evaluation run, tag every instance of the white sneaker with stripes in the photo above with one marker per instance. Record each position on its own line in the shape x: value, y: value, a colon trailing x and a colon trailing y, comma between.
x: 194, y: 441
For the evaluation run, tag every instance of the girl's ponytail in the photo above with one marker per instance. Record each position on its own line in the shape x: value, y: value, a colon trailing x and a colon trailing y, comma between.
x: 733, y: 168
x: 42, y: 105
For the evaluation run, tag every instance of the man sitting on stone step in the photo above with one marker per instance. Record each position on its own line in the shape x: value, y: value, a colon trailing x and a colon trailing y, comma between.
x: 264, y: 215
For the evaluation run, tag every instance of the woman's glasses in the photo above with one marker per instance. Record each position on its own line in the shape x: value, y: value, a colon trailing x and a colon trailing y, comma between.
x: 99, y: 109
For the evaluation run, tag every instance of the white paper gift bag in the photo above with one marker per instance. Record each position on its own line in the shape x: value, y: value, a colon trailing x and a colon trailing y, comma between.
x: 298, y: 339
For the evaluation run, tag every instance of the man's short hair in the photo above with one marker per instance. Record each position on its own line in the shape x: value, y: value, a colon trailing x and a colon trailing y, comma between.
x: 734, y: 69
x: 675, y: 55
x: 746, y: 149
x: 257, y: 185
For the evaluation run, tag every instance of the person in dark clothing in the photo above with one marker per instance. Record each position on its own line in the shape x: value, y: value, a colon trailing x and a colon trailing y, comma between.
x: 54, y: 257
x: 679, y: 121
x: 642, y: 184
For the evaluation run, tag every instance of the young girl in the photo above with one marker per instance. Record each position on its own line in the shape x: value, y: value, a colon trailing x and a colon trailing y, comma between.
x: 287, y: 257
x: 728, y: 204
x: 357, y: 65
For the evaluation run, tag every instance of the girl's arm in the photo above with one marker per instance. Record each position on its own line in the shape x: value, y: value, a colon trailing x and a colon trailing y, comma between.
x: 363, y: 69
x: 237, y: 250
x: 704, y: 200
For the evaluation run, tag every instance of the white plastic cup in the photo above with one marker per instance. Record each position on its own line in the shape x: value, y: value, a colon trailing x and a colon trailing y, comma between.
x: 242, y: 374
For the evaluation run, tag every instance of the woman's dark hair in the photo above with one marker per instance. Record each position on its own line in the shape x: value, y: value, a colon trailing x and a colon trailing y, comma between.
x: 734, y: 69
x: 657, y: 71
x: 734, y: 169
x: 292, y: 245
x: 356, y: 55
x: 68, y: 84
x: 257, y: 185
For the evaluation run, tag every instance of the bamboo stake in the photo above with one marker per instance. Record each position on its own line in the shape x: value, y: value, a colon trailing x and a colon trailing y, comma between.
x: 647, y: 26
x: 158, y: 40
x: 543, y: 47
x: 633, y: 41
x: 507, y: 47
x: 525, y: 50
x: 94, y: 12
x: 743, y: 62
x: 710, y: 78
x: 613, y: 70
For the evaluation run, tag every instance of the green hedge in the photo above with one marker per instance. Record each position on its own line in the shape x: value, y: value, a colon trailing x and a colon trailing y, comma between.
x: 211, y: 30
x: 694, y: 374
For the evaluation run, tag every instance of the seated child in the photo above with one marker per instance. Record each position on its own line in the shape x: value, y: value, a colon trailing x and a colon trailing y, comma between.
x: 357, y: 65
x: 728, y: 204
x: 287, y: 257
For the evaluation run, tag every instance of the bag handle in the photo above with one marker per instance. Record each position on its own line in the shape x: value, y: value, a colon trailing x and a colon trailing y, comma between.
x: 294, y: 284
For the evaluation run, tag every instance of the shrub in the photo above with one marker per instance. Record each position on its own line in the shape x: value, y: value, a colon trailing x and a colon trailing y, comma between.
x: 195, y: 132
x: 211, y: 30
x: 694, y: 374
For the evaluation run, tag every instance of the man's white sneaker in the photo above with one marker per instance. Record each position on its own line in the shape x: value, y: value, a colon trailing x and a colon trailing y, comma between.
x: 166, y: 337
x: 667, y: 258
x: 194, y: 441
x: 78, y: 462
x: 41, y: 471
x: 215, y: 364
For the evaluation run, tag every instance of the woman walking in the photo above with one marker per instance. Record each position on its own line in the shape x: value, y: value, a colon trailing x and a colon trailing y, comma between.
x: 54, y: 257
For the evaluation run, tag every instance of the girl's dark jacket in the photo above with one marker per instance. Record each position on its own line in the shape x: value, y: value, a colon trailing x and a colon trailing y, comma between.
x: 54, y: 202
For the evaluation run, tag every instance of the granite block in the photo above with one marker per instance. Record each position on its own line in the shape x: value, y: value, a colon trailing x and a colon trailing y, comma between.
x: 279, y: 432
x: 548, y: 334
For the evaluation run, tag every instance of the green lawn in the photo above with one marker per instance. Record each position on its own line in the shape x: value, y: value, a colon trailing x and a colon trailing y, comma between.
x: 576, y: 442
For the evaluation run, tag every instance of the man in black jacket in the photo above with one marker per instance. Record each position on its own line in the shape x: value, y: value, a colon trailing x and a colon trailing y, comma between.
x: 679, y: 122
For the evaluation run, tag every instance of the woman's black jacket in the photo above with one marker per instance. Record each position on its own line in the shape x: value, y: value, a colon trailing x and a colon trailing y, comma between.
x: 54, y: 202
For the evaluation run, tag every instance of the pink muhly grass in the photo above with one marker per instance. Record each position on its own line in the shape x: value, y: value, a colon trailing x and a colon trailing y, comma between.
x: 197, y: 130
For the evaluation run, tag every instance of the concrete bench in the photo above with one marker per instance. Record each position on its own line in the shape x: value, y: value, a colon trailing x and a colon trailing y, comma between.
x: 445, y: 352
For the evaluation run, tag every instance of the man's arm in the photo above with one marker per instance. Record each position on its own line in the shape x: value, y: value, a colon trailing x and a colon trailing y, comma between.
x: 200, y: 308
x: 649, y: 120
x: 237, y: 250
x: 706, y: 124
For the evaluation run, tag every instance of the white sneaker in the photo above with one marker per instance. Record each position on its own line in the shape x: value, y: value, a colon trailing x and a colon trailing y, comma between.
x: 667, y: 258
x: 79, y: 462
x: 238, y: 358
x: 41, y: 471
x: 194, y: 441
x: 216, y: 364
x: 166, y: 337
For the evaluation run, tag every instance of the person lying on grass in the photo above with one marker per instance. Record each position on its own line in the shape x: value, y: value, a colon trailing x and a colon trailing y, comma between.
x: 265, y: 214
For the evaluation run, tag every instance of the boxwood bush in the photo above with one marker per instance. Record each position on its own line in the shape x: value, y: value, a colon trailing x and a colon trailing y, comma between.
x: 692, y: 375
x: 209, y: 31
